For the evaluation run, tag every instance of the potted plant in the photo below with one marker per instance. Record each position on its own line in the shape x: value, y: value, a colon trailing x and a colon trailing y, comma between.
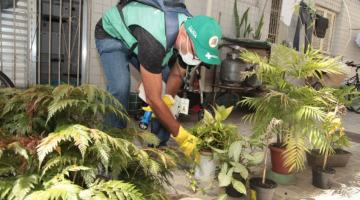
x: 286, y: 97
x: 236, y: 162
x: 331, y: 129
x: 215, y: 136
x: 261, y: 187
x: 340, y: 157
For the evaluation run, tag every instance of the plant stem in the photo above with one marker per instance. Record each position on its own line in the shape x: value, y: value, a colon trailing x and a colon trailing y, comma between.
x: 264, y: 170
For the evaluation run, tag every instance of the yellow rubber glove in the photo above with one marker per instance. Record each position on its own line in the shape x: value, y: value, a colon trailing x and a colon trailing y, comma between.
x: 168, y: 100
x: 187, y: 143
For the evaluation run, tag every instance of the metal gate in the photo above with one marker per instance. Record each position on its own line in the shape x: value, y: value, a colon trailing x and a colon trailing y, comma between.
x: 43, y: 42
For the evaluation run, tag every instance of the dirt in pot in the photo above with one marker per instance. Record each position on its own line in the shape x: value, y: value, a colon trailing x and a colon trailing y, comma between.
x: 327, y: 170
x: 231, y: 191
x: 257, y: 182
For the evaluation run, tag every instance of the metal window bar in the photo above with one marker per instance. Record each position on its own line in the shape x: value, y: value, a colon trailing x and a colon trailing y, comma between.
x: 59, y: 53
x: 274, y: 20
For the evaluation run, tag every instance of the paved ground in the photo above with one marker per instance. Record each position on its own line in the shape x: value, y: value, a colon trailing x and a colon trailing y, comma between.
x: 346, y: 185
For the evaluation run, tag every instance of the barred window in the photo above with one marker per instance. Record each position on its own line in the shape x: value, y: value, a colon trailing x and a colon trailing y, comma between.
x: 274, y: 20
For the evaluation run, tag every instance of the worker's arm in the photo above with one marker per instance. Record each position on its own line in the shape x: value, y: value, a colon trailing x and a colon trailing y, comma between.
x: 153, y: 89
x: 175, y: 79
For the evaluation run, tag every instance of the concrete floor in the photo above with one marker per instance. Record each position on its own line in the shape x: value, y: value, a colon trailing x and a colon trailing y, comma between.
x: 346, y: 184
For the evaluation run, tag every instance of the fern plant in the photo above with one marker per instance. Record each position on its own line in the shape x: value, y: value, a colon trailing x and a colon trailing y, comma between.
x: 39, y: 109
x: 76, y: 162
x: 300, y: 107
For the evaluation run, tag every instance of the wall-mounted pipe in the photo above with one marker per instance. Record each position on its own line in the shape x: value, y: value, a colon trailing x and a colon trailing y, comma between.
x: 79, y: 42
x: 39, y: 42
x: 50, y: 37
x: 69, y: 52
x: 14, y: 23
x: 60, y: 58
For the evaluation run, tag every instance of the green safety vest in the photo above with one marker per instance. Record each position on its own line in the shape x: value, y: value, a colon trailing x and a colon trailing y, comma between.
x: 147, y: 17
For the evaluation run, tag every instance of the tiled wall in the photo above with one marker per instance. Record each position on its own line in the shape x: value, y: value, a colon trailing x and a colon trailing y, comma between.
x: 196, y: 7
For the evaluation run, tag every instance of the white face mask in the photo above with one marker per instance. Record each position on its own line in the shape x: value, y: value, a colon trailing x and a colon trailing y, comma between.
x: 189, y: 58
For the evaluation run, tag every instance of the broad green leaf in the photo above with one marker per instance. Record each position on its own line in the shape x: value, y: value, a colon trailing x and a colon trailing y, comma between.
x: 239, y: 168
x: 220, y: 151
x: 222, y: 197
x: 248, y: 156
x: 235, y: 150
x: 222, y: 113
x: 208, y: 118
x: 258, y: 157
x: 225, y: 176
x: 239, y: 186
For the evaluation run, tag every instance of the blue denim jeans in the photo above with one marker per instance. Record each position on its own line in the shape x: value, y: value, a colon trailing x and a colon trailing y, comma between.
x: 114, y: 56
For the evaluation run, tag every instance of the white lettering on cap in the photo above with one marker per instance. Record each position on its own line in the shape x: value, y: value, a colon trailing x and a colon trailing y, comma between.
x: 209, y: 56
x: 192, y: 31
x: 213, y: 41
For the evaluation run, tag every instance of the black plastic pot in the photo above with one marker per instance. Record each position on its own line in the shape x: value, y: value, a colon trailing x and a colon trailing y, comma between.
x: 231, y: 191
x: 339, y: 159
x: 321, y: 177
x: 260, y: 191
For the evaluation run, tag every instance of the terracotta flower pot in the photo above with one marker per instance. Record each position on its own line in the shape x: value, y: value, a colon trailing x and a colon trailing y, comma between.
x: 277, y: 160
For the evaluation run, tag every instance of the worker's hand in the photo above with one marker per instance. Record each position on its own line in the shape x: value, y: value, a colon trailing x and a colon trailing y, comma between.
x: 187, y: 143
x: 168, y: 100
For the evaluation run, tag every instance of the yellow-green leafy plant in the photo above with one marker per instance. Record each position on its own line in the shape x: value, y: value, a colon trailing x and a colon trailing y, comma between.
x: 214, y: 134
x: 301, y: 108
x: 236, y: 162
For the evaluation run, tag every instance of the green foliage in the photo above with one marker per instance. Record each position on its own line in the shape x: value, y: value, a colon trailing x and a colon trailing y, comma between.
x: 236, y: 161
x: 73, y: 163
x: 243, y: 27
x: 213, y: 132
x: 111, y: 190
x: 301, y: 108
x: 258, y: 30
x: 40, y: 109
x: 237, y: 21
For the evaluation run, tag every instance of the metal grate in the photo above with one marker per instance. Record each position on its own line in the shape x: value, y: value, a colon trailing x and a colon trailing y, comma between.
x: 60, y: 30
x: 274, y: 20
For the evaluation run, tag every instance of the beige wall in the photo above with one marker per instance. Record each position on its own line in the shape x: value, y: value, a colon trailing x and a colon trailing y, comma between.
x: 343, y: 40
x: 343, y: 43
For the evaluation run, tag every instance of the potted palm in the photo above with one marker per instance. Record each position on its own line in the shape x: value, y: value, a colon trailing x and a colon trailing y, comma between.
x: 287, y: 97
x: 331, y: 129
x: 215, y: 136
x: 339, y: 157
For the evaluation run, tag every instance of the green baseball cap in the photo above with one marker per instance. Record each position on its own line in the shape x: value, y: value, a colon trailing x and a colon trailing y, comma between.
x: 205, y: 34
